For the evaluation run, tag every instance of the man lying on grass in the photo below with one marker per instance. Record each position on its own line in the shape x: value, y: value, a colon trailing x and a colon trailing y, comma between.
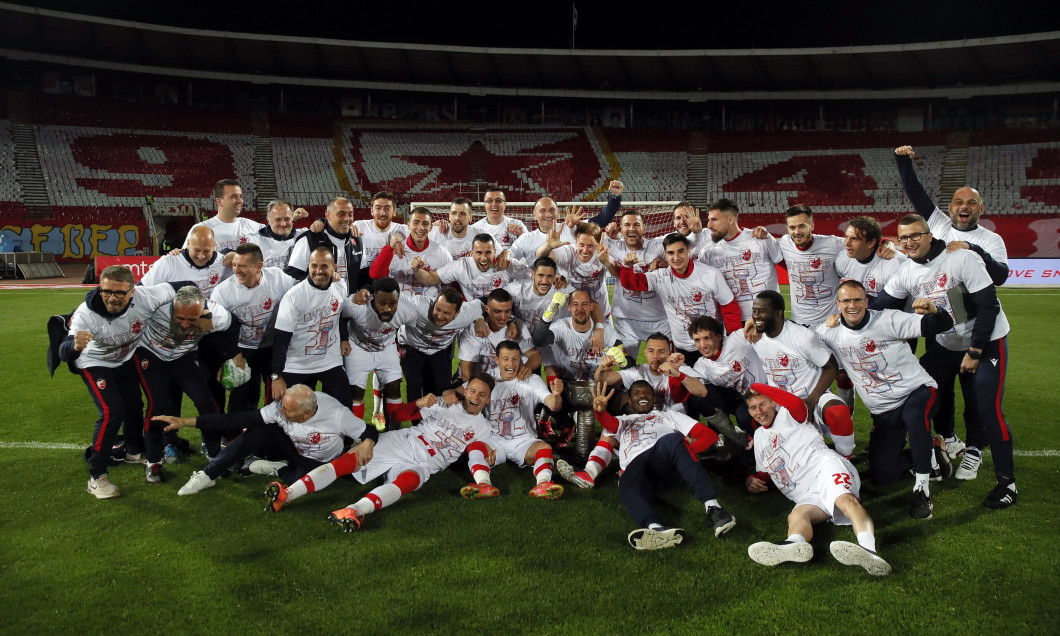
x: 654, y: 451
x: 407, y: 456
x: 823, y: 484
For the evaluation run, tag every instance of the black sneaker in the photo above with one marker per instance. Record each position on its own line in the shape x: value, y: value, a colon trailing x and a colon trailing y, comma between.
x: 721, y: 520
x: 1002, y: 496
x: 945, y: 464
x: 922, y: 506
x: 244, y: 470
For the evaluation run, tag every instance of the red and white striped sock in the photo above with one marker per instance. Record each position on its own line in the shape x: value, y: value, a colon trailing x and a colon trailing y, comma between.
x: 543, y: 465
x: 476, y: 461
x: 599, y: 458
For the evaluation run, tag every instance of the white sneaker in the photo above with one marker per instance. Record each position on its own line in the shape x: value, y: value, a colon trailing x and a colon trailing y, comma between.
x: 772, y: 554
x: 969, y: 468
x: 199, y: 481
x: 649, y: 539
x: 101, y: 488
x: 265, y: 467
x: 954, y: 447
x: 853, y: 554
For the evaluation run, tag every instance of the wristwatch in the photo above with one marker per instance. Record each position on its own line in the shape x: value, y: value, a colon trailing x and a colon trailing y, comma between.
x: 974, y: 355
x: 274, y: 377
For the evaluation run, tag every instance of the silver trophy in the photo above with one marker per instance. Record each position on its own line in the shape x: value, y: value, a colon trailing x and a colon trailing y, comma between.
x: 578, y: 396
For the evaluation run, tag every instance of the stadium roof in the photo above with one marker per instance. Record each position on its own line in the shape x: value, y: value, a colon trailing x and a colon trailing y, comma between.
x: 1003, y: 65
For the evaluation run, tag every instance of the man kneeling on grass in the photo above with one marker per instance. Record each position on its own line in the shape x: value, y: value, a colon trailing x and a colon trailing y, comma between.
x: 823, y: 484
x: 407, y: 456
x: 653, y: 451
x: 301, y: 431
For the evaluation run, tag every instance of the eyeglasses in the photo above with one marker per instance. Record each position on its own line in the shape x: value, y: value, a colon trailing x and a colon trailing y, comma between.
x: 912, y: 238
x: 489, y: 201
x: 114, y: 293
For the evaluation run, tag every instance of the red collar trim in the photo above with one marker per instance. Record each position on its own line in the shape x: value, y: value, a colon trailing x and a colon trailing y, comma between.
x: 412, y: 246
x: 688, y: 272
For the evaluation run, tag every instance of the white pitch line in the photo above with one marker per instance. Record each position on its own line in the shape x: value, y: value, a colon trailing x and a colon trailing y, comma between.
x: 60, y: 446
x: 43, y: 445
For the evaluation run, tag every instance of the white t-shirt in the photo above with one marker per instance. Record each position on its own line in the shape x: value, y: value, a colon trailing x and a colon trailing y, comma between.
x: 254, y: 308
x: 114, y: 339
x: 368, y: 332
x: 312, y: 317
x: 572, y: 355
x: 375, y: 239
x: 635, y: 305
x: 173, y: 268
x: 502, y: 238
x: 873, y: 275
x: 229, y: 236
x: 457, y: 247
x: 478, y: 284
x: 448, y: 431
x: 589, y: 276
x: 512, y: 404
x: 793, y: 360
x: 427, y: 337
x: 790, y: 451
x: 934, y: 279
x: 638, y: 433
x: 434, y: 256
x: 321, y: 436
x: 160, y: 335
x: 274, y: 252
x: 527, y: 306
x: 748, y: 264
x: 525, y: 247
x: 877, y: 358
x: 482, y: 352
x: 700, y: 292
x: 736, y: 366
x: 812, y: 277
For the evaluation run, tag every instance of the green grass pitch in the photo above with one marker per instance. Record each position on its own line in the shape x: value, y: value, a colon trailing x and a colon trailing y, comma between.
x: 216, y: 563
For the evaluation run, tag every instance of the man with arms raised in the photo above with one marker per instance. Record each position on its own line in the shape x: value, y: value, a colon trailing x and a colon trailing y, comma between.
x: 748, y: 263
x: 407, y: 457
x: 823, y: 485
x: 637, y: 314
x: 514, y: 435
x: 580, y: 263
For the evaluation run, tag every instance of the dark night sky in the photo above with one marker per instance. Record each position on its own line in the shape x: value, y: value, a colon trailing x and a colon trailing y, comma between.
x: 710, y: 24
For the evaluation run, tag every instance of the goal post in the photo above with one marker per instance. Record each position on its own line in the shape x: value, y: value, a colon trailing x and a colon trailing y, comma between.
x: 658, y: 215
